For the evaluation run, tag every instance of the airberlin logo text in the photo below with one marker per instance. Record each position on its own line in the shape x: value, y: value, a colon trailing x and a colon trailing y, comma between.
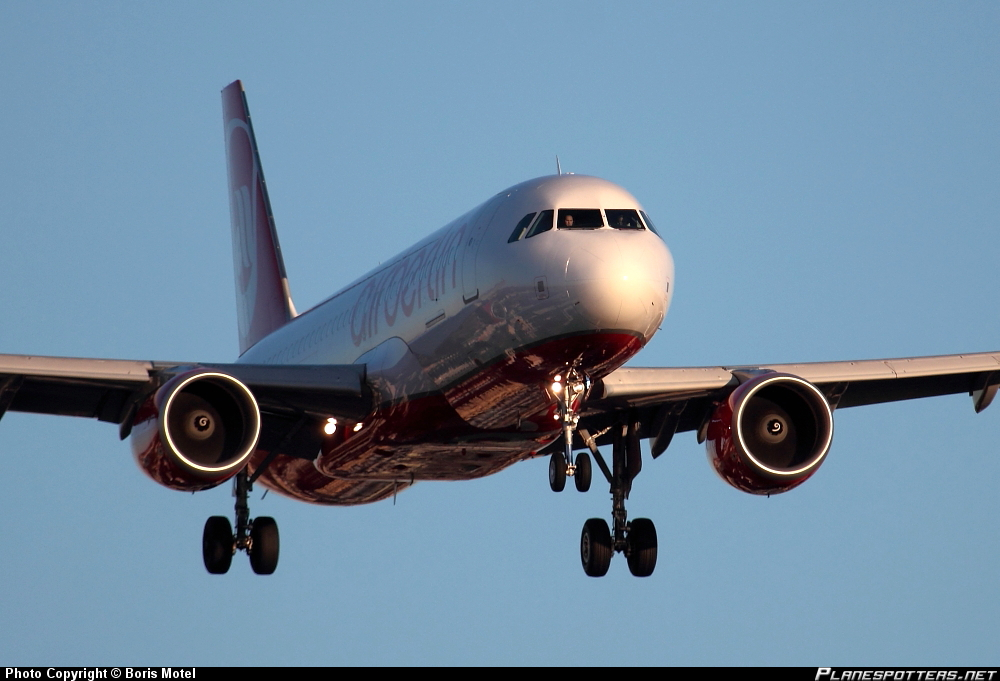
x: 419, y: 278
x: 93, y: 673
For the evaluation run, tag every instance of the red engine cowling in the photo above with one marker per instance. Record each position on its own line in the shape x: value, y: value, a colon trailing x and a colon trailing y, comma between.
x: 198, y: 430
x: 771, y: 434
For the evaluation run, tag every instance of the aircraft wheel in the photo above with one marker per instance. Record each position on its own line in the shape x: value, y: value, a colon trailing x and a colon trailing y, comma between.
x: 583, y: 472
x: 595, y: 547
x: 557, y: 472
x: 264, y: 545
x: 217, y: 545
x: 641, y: 547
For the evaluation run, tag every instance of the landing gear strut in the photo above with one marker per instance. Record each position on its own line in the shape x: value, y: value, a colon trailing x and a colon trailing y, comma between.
x: 569, y: 390
x: 258, y: 537
x: 636, y: 539
x: 598, y: 542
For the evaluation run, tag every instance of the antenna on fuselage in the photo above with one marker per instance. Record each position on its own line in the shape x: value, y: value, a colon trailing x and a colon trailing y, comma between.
x: 558, y: 167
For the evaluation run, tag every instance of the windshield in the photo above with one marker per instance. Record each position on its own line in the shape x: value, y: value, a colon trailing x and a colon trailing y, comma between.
x: 649, y: 223
x: 542, y: 224
x: 580, y: 218
x: 624, y: 218
x: 533, y: 224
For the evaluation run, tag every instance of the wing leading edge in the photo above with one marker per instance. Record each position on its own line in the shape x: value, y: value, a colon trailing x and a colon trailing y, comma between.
x: 665, y: 401
x: 109, y: 390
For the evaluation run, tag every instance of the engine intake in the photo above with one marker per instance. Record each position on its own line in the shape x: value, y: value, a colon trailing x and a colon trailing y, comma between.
x: 771, y: 434
x: 198, y: 430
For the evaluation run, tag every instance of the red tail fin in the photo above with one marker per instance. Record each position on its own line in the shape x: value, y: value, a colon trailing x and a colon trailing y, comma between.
x: 263, y: 302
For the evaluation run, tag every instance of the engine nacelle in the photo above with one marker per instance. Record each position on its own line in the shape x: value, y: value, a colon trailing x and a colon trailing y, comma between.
x: 771, y: 434
x: 198, y: 430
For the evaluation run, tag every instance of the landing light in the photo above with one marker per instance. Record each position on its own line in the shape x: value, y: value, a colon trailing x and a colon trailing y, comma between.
x: 330, y: 427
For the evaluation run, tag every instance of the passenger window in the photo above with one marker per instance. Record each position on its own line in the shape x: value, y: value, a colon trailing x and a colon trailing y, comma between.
x: 521, y: 228
x: 623, y: 219
x: 542, y: 224
x: 580, y: 218
x: 649, y: 223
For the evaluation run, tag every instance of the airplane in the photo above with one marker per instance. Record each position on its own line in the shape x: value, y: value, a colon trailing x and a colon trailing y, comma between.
x: 499, y: 338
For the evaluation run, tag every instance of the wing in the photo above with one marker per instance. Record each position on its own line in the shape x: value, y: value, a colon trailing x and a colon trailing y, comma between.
x: 110, y: 390
x: 665, y: 401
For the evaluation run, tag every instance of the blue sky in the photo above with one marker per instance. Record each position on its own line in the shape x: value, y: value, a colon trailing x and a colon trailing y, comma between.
x: 826, y: 176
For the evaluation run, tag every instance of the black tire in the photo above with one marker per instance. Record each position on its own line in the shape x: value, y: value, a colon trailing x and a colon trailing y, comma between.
x: 264, y: 545
x: 557, y: 472
x: 595, y: 547
x: 217, y: 545
x: 584, y: 472
x: 641, y: 547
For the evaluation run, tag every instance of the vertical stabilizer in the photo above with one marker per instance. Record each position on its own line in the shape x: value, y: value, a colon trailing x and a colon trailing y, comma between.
x: 263, y: 302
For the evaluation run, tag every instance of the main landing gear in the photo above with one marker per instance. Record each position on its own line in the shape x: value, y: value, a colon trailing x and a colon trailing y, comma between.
x: 258, y: 537
x: 598, y: 541
x: 636, y: 539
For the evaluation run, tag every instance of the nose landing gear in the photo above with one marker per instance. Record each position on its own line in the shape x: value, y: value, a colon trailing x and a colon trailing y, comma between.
x: 569, y: 390
x: 581, y: 470
x: 258, y: 537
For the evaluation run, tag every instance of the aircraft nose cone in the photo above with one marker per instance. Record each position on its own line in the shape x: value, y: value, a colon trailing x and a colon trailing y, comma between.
x: 619, y: 280
x: 593, y: 273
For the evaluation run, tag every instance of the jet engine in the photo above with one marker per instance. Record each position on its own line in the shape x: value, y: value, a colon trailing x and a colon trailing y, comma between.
x: 198, y: 430
x: 771, y: 434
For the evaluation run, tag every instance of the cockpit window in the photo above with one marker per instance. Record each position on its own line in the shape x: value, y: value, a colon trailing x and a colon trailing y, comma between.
x: 627, y: 218
x: 580, y: 218
x: 542, y: 224
x: 521, y: 228
x: 649, y: 223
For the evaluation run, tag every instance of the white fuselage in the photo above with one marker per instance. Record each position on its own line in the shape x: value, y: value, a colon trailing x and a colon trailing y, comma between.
x: 484, y: 321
